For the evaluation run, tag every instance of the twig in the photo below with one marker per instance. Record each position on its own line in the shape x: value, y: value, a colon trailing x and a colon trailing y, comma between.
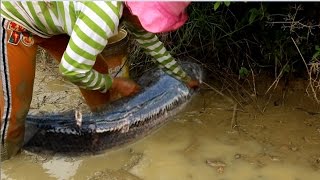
x: 265, y: 106
x: 219, y: 92
x: 309, y: 73
x: 234, y: 123
x: 275, y: 82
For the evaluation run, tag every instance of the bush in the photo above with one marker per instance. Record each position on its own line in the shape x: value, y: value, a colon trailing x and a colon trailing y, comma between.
x: 235, y: 40
x: 249, y: 35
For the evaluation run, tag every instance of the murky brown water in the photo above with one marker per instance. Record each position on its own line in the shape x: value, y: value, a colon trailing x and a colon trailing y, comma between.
x: 281, y: 144
x: 198, y: 144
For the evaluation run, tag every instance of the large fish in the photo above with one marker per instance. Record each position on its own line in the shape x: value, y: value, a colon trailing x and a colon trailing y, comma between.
x: 123, y: 121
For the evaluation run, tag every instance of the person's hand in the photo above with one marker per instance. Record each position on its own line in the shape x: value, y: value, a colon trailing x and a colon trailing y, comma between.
x: 124, y: 86
x: 193, y: 84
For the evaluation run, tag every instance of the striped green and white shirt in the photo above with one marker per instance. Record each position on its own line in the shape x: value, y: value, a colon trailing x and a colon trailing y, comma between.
x: 89, y: 24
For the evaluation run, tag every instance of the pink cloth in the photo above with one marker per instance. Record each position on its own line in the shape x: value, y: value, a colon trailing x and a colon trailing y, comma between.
x: 159, y: 16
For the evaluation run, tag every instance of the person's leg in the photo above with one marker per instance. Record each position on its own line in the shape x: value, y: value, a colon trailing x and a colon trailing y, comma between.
x: 17, y: 70
x: 56, y: 46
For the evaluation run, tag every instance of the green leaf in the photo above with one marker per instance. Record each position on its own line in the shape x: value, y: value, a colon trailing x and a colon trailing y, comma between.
x: 216, y: 5
x: 315, y: 55
x: 253, y: 14
x: 243, y: 72
x: 227, y: 3
x: 286, y: 68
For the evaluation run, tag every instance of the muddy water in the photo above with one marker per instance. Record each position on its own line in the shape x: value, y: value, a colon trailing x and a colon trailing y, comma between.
x: 197, y: 144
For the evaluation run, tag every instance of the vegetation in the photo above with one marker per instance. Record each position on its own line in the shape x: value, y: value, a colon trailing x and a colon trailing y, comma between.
x: 237, y: 41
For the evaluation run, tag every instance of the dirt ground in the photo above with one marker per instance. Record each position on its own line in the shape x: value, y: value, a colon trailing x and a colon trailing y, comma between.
x: 52, y: 92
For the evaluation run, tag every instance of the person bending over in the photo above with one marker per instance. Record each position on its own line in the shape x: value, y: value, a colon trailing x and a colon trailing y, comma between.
x: 75, y: 33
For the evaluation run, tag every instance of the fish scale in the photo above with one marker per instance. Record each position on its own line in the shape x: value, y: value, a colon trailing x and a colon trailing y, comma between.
x: 122, y: 121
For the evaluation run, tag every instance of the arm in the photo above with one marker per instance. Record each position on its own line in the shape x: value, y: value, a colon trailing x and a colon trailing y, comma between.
x: 93, y: 26
x: 154, y: 47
